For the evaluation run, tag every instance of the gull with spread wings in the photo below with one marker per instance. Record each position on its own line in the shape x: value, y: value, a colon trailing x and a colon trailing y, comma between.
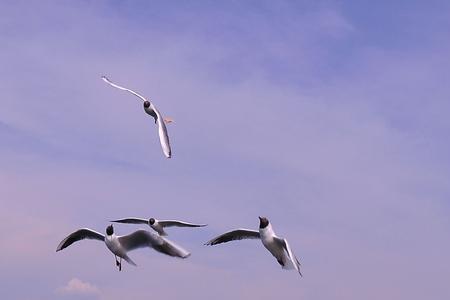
x: 121, y: 245
x: 158, y: 225
x: 277, y: 246
x: 152, y: 111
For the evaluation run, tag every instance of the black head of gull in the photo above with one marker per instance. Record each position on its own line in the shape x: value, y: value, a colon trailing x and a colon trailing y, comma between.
x: 151, y: 221
x: 263, y: 222
x: 109, y: 230
x: 146, y: 104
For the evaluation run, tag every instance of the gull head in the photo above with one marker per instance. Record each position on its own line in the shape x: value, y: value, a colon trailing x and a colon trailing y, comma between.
x: 109, y: 230
x: 151, y: 221
x: 263, y: 222
x: 146, y: 104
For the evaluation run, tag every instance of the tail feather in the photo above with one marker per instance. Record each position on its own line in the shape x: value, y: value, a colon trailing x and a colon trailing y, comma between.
x: 128, y: 260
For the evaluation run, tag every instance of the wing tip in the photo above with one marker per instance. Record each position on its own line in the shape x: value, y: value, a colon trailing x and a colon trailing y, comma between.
x: 167, y: 152
x: 210, y: 243
x: 61, y: 245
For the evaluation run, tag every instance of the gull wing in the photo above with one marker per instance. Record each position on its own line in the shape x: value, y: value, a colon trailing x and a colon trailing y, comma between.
x: 176, y: 223
x: 143, y: 238
x: 170, y: 248
x: 131, y: 221
x: 233, y: 235
x: 285, y: 245
x: 105, y: 79
x: 80, y: 234
x: 163, y: 134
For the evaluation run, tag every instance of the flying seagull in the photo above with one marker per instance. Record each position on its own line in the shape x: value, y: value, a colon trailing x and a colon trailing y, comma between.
x: 120, y: 245
x: 277, y: 246
x: 152, y: 111
x: 158, y: 225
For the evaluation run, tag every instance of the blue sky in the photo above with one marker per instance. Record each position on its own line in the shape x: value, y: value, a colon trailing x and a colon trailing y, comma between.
x: 328, y: 117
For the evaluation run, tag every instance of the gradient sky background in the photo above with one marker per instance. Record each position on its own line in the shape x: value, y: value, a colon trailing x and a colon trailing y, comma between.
x: 329, y: 117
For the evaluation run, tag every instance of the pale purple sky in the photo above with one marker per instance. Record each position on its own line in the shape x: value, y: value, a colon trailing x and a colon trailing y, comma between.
x: 328, y: 117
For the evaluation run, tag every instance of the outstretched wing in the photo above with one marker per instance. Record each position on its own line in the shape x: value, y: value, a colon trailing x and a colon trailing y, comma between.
x: 170, y: 248
x: 132, y: 221
x: 143, y: 238
x: 284, y: 243
x: 80, y: 234
x: 176, y: 223
x: 138, y: 239
x: 105, y: 79
x: 237, y: 234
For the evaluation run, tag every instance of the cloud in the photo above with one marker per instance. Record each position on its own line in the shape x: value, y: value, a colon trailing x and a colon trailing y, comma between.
x: 79, y: 287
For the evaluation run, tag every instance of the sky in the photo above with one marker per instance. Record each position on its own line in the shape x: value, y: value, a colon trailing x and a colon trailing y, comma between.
x: 328, y: 117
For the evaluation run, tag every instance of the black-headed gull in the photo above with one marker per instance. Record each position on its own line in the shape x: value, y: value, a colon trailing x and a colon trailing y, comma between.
x: 152, y: 111
x: 277, y: 246
x: 158, y: 225
x: 120, y: 245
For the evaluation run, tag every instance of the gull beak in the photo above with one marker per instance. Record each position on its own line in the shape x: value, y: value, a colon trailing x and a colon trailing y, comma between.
x: 168, y: 120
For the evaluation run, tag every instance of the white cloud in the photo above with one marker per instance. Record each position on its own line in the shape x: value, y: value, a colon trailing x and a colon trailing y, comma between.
x: 77, y: 286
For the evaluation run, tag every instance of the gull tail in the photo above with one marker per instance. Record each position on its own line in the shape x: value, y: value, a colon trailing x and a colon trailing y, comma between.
x: 128, y: 260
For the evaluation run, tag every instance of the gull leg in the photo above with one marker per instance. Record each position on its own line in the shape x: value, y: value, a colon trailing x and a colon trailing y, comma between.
x: 117, y: 262
x: 120, y: 263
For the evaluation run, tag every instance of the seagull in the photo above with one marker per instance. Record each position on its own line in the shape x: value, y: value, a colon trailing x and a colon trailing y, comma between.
x: 277, y: 246
x: 152, y: 111
x: 158, y: 225
x: 120, y: 245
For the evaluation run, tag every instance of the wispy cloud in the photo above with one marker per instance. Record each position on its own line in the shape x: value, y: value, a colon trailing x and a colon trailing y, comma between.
x: 76, y: 286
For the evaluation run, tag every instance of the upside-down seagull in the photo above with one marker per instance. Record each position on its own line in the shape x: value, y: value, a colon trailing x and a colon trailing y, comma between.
x: 158, y: 225
x: 152, y: 111
x: 277, y: 246
x: 120, y: 245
